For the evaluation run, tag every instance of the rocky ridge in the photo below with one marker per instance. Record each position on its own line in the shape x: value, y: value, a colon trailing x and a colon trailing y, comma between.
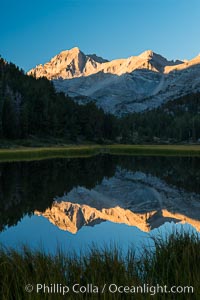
x: 121, y: 86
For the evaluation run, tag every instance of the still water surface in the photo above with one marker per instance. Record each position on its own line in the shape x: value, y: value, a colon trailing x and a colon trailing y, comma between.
x: 102, y: 200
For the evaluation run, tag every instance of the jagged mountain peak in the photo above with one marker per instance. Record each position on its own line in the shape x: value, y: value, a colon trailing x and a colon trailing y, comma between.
x: 68, y: 64
x: 147, y: 54
x: 67, y: 55
x: 150, y: 54
x: 74, y: 63
x: 122, y: 85
x: 158, y: 61
x: 74, y: 51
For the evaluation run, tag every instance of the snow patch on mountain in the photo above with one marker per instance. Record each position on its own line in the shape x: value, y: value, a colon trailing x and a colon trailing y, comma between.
x: 121, y: 86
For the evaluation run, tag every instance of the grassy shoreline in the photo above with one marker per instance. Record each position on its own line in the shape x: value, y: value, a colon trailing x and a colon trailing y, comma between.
x: 174, y: 262
x: 38, y: 153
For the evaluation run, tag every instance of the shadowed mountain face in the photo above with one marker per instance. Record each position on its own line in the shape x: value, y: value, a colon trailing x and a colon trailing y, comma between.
x: 123, y: 85
x: 136, y: 199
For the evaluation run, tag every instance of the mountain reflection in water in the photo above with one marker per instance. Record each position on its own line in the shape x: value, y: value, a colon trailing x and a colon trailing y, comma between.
x: 135, y: 199
x: 79, y: 193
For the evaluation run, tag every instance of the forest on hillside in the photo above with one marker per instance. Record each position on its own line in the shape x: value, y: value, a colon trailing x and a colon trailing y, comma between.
x: 175, y: 121
x: 31, y: 107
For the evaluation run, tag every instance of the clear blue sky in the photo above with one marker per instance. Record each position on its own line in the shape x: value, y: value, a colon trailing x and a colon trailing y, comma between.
x: 33, y: 31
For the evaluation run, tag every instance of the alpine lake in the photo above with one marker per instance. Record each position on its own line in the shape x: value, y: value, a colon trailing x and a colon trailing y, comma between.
x: 102, y: 200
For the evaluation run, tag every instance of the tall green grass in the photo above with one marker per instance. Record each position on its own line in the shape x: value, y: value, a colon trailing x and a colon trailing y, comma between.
x: 173, y: 262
